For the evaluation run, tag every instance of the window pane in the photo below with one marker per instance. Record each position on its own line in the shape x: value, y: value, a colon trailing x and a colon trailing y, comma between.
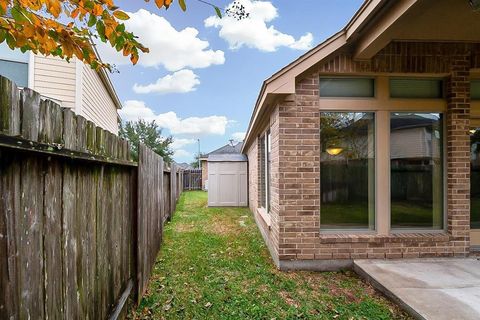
x: 347, y: 87
x: 475, y: 179
x: 416, y: 163
x: 416, y: 88
x: 475, y: 90
x: 15, y: 71
x: 347, y: 170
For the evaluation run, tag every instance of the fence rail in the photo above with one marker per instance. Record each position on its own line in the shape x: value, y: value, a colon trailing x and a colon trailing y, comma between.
x: 80, y: 222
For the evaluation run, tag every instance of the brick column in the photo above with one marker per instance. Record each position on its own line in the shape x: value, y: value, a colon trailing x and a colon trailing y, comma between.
x: 299, y: 167
x: 458, y: 154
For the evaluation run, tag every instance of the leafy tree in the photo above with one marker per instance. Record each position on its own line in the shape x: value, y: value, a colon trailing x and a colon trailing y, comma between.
x: 149, y: 134
x: 194, y: 163
x: 33, y: 25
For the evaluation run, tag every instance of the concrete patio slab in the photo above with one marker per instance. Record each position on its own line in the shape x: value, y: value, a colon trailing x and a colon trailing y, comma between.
x: 428, y: 288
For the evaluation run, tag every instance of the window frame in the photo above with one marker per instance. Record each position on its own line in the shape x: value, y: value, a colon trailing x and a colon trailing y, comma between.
x: 382, y: 105
x: 355, y: 231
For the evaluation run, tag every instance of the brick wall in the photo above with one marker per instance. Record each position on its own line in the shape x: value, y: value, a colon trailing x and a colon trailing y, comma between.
x: 458, y: 151
x: 270, y: 232
x: 299, y: 160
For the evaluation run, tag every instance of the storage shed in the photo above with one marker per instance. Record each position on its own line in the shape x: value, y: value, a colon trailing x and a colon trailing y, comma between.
x: 227, y: 180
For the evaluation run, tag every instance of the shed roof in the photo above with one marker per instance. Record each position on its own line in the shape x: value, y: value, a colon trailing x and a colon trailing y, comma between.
x: 227, y: 157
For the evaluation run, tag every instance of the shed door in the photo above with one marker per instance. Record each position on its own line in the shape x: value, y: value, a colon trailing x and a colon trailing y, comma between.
x: 227, y: 184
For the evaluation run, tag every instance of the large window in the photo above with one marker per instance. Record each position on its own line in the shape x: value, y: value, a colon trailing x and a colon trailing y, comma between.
x: 265, y: 149
x: 347, y: 170
x: 347, y: 87
x: 475, y: 178
x: 14, y: 65
x: 416, y: 164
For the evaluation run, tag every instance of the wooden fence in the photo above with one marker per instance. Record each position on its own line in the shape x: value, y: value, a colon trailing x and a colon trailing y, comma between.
x: 80, y: 222
x: 192, y: 179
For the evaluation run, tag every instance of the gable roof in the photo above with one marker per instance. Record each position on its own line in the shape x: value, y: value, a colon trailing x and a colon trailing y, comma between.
x: 226, y: 149
x: 373, y: 26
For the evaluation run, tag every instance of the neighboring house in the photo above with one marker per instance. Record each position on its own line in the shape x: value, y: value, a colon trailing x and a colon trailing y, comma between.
x: 359, y: 148
x: 231, y: 148
x: 185, y: 166
x: 73, y: 84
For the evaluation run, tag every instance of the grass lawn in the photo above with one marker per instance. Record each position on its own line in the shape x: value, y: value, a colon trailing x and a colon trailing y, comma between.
x: 214, y: 265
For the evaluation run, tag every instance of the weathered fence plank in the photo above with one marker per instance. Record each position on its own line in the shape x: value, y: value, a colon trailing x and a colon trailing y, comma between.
x: 29, y: 232
x: 9, y: 107
x: 9, y: 205
x: 69, y: 237
x: 53, y: 240
x: 80, y: 223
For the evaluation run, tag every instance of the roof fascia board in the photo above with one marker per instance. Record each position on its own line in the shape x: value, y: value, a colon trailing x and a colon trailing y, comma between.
x: 377, y: 38
x: 361, y: 16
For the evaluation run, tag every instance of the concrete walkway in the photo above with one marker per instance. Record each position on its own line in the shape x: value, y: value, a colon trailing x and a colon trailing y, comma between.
x: 428, y: 288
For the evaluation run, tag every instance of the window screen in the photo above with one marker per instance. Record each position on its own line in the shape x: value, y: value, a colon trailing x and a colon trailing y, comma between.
x: 347, y: 87
x: 475, y: 90
x: 416, y: 88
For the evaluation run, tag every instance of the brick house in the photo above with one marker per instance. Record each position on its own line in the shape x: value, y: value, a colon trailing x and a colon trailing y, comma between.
x: 368, y: 146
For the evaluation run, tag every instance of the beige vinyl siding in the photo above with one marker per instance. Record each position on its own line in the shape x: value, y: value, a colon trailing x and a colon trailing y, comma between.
x: 97, y: 105
x: 55, y: 78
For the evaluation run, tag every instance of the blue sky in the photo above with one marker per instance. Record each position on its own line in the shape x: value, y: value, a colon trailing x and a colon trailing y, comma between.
x: 212, y: 76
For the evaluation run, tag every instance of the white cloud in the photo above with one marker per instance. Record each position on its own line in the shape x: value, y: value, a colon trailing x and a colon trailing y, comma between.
x: 180, y: 153
x: 172, y: 49
x: 134, y: 110
x: 253, y: 31
x: 239, y: 136
x: 182, y: 81
x: 179, y: 143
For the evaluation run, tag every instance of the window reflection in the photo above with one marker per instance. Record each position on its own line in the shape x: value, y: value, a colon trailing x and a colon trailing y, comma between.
x: 475, y: 178
x: 416, y: 170
x: 347, y: 170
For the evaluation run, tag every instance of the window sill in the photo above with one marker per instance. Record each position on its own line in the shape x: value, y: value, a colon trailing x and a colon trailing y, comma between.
x: 265, y: 217
x: 394, y: 237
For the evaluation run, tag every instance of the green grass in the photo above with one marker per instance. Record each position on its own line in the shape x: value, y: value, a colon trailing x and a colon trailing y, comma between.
x: 214, y: 265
